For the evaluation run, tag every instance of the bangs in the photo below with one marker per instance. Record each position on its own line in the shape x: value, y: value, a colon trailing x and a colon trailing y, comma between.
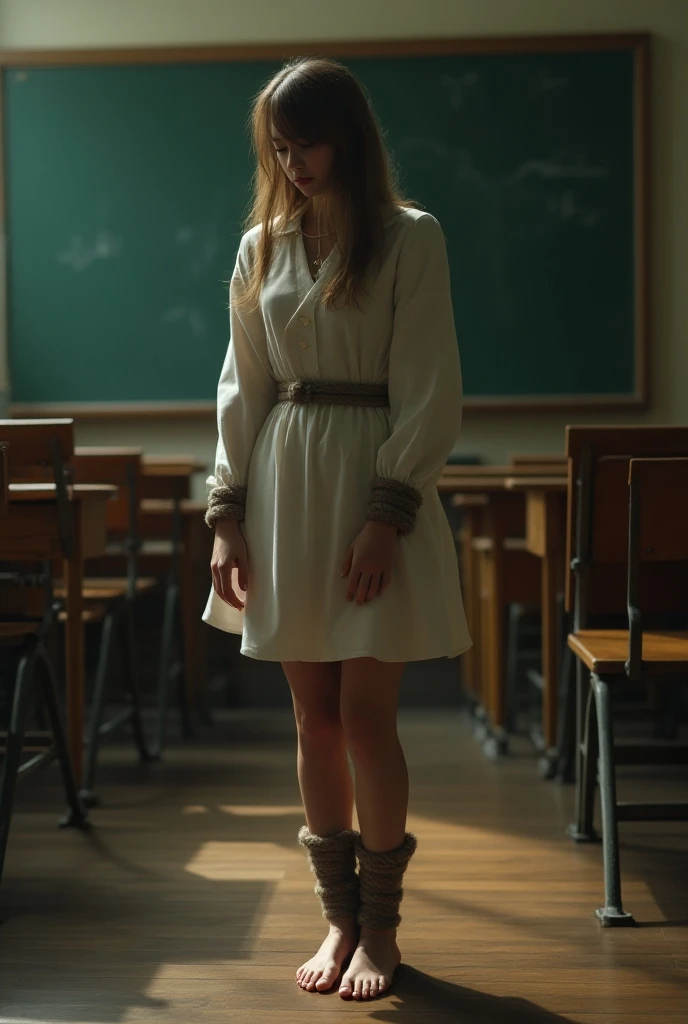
x: 297, y: 114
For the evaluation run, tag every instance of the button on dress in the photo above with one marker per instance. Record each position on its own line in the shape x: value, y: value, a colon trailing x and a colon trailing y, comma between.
x: 309, y: 468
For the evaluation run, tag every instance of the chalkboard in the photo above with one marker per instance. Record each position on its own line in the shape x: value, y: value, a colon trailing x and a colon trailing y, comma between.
x: 127, y: 176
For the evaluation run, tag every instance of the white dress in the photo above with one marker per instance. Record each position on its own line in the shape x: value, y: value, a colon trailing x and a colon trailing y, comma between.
x: 308, y: 468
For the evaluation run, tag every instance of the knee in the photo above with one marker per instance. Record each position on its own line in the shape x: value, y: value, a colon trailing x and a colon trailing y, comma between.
x: 366, y: 737
x: 318, y: 725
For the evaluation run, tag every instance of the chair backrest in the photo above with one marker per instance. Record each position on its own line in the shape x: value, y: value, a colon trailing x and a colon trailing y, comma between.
x: 121, y: 467
x: 34, y: 447
x: 40, y: 451
x: 32, y: 534
x: 658, y: 523
x: 657, y: 532
x: 118, y: 466
x: 597, y: 516
x: 4, y: 478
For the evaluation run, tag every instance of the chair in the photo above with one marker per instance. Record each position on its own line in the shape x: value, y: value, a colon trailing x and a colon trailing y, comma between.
x: 110, y: 601
x: 163, y: 543
x: 612, y: 571
x: 30, y: 540
x: 159, y: 543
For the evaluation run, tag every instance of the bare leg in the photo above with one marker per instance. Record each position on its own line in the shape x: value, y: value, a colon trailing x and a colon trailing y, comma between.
x: 369, y: 694
x: 327, y: 792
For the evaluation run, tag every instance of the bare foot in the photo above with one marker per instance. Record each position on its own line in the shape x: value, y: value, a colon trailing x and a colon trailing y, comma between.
x: 320, y: 972
x: 372, y: 965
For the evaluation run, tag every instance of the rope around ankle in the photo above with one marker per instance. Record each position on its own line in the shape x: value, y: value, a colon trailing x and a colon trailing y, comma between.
x: 380, y: 877
x: 333, y: 862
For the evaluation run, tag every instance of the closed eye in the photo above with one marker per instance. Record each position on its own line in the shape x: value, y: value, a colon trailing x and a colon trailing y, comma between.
x: 304, y: 145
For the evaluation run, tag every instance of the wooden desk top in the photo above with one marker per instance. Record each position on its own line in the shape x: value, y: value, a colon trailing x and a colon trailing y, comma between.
x: 536, y: 483
x: 471, y: 485
x: 532, y: 469
x: 540, y: 458
x: 470, y: 500
x: 172, y: 465
x: 152, y: 465
x: 46, y: 492
x: 101, y: 451
x: 188, y: 506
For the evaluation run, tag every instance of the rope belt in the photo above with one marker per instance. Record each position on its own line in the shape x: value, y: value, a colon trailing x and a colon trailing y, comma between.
x: 335, y: 392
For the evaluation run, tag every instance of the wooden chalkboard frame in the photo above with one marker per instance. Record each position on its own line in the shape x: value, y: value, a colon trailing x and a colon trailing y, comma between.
x: 636, y: 43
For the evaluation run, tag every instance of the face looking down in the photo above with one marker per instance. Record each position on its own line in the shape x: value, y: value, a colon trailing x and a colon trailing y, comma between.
x: 306, y: 164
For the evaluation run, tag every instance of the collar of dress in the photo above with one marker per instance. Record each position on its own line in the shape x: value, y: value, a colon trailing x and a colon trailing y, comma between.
x: 389, y: 212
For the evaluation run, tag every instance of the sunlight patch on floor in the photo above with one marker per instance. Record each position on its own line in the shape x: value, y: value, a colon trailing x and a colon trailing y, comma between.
x: 237, y: 861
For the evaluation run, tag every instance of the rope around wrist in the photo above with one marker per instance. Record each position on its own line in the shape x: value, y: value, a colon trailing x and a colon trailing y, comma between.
x: 395, y: 503
x: 226, y: 503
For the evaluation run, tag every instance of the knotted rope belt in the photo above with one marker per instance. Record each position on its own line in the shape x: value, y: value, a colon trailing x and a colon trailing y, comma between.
x: 391, y: 501
x: 335, y: 392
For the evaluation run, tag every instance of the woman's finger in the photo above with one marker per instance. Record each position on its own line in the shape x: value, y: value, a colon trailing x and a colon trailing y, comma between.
x: 228, y: 590
x: 354, y: 576
x: 217, y: 580
x: 374, y: 588
x: 363, y: 587
x: 242, y: 575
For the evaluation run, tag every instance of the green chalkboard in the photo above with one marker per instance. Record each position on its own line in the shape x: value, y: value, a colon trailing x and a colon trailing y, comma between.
x: 126, y: 183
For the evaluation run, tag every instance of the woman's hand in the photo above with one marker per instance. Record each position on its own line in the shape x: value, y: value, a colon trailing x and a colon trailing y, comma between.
x: 369, y: 561
x: 229, y: 550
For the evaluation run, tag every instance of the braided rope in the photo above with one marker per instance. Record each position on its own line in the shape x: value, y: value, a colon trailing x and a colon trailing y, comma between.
x: 380, y: 877
x: 394, y: 502
x: 333, y: 862
x: 225, y: 503
x: 332, y: 392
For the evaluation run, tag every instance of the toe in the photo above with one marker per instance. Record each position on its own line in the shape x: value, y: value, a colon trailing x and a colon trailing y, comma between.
x: 365, y: 990
x: 345, y: 987
x: 326, y: 980
x: 373, y: 988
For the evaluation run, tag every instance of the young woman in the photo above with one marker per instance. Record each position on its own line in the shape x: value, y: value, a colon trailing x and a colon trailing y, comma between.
x: 338, y: 404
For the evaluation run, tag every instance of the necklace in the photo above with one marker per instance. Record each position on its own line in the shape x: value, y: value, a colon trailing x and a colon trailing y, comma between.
x: 318, y: 261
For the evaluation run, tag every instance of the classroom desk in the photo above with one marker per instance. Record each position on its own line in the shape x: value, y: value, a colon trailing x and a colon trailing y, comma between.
x: 158, y: 463
x: 452, y: 471
x: 558, y: 459
x: 167, y: 479
x: 169, y: 476
x: 157, y: 521
x: 87, y: 506
x: 546, y: 539
x: 502, y: 517
x: 472, y: 507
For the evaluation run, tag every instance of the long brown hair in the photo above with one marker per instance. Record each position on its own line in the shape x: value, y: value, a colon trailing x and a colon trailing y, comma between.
x: 320, y: 100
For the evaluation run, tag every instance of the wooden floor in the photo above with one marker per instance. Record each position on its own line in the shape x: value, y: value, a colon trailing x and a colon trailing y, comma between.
x: 192, y: 902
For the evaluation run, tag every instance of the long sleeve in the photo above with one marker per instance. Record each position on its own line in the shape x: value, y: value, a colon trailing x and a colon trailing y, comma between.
x: 246, y: 392
x: 424, y: 379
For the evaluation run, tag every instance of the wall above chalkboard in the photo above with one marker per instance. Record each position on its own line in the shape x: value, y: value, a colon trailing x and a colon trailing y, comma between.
x: 127, y: 175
